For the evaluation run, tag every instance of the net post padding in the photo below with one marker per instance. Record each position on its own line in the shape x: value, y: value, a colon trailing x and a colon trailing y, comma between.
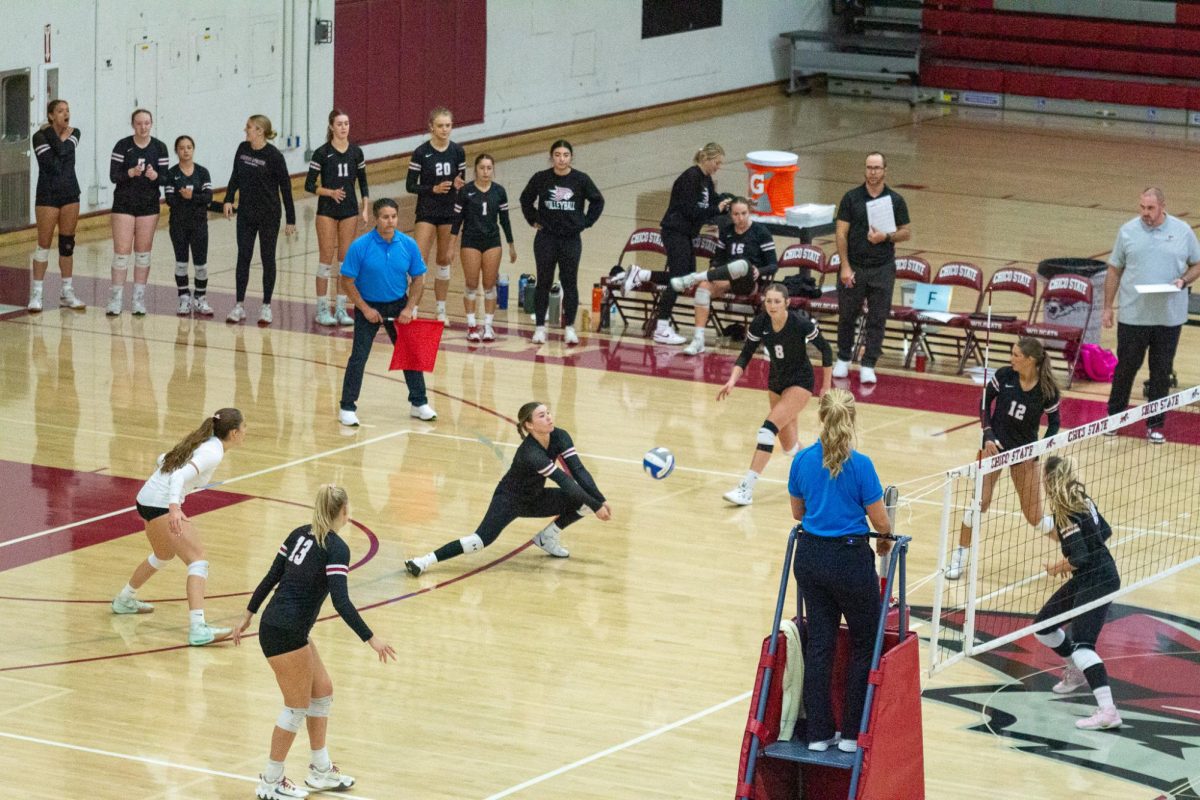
x: 1145, y: 491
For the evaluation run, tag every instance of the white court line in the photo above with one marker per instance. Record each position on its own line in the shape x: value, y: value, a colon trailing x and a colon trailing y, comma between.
x: 226, y: 482
x: 155, y: 762
x: 619, y: 747
x: 1185, y: 710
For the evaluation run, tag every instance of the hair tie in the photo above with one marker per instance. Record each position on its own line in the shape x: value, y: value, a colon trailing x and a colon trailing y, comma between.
x: 217, y: 416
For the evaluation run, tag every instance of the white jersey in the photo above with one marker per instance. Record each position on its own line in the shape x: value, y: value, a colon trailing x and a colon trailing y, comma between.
x: 165, y: 488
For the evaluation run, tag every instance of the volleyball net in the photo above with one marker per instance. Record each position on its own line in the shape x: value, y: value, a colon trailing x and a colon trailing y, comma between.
x: 1147, y: 492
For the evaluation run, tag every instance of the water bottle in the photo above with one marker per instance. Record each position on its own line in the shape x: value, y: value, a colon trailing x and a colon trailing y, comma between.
x: 521, y: 281
x: 605, y: 310
x: 554, y: 316
x: 597, y: 298
x: 502, y: 293
x: 527, y: 295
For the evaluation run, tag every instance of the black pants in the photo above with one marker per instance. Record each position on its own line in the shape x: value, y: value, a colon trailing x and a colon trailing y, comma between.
x: 1132, y: 343
x: 875, y: 286
x: 564, y: 252
x: 267, y: 231
x: 506, y: 508
x: 190, y: 236
x: 681, y: 260
x: 836, y: 577
x: 364, y: 338
x: 1083, y: 587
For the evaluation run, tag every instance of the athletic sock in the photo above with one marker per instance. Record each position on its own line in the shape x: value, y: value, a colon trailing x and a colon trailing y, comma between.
x: 128, y: 592
x: 470, y: 320
x: 750, y: 479
x: 488, y: 319
x: 67, y: 284
x: 320, y: 759
x: 274, y: 771
x: 1103, y: 695
x: 196, y: 617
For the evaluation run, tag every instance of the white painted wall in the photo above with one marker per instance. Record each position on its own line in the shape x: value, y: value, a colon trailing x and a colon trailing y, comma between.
x: 204, y: 67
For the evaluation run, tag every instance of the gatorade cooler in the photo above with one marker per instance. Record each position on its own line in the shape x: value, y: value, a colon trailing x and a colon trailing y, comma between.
x: 772, y: 181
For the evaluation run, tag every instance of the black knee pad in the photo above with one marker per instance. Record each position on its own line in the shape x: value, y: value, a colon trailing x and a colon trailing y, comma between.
x: 66, y: 244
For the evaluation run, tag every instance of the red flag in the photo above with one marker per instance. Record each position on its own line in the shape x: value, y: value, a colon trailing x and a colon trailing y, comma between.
x: 417, y: 345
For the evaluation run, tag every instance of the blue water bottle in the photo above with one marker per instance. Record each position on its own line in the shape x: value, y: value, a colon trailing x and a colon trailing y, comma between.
x: 502, y: 293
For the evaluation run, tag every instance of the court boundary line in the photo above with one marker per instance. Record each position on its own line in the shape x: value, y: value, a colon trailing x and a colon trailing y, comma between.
x: 608, y: 751
x: 154, y: 762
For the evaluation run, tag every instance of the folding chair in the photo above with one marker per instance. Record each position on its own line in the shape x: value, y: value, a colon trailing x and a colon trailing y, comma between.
x: 1061, y: 291
x: 934, y: 327
x: 908, y: 269
x: 802, y: 258
x: 1005, y: 318
x: 639, y: 304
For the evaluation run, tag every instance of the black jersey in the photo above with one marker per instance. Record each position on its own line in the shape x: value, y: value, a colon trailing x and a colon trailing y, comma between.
x: 429, y: 167
x: 1014, y: 420
x: 786, y: 348
x: 306, y: 573
x: 262, y: 178
x: 533, y: 464
x: 56, y: 163
x: 337, y: 170
x: 557, y: 202
x: 693, y: 202
x: 1083, y: 543
x: 853, y: 209
x: 184, y: 211
x: 125, y: 156
x: 756, y: 246
x: 478, y: 212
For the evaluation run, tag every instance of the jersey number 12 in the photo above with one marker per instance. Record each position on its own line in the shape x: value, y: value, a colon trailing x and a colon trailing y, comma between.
x: 1016, y: 410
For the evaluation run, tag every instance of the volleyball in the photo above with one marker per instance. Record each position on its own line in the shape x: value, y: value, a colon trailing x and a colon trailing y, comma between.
x: 658, y: 463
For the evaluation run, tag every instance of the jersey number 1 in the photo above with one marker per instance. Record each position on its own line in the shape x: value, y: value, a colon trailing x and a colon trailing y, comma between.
x: 300, y: 550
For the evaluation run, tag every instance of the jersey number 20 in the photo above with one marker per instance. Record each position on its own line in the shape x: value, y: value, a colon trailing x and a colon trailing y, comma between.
x: 300, y: 550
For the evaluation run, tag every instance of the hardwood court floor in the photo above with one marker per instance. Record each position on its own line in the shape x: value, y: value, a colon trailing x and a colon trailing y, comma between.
x: 620, y: 672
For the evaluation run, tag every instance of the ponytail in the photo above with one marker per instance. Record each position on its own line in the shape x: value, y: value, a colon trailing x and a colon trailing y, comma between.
x: 331, y: 499
x: 1065, y: 493
x: 525, y: 414
x: 220, y: 424
x: 836, y: 415
x: 708, y: 153
x: 1033, y: 348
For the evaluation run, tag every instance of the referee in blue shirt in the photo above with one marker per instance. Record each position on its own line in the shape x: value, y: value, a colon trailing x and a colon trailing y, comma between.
x: 382, y: 276
x: 834, y: 490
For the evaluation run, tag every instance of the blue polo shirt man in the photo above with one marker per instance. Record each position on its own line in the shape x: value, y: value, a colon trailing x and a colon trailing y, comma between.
x: 383, y: 275
x: 1152, y: 248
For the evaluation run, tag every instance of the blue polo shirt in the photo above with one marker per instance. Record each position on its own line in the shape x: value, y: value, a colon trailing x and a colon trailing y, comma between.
x: 834, y: 507
x: 381, y: 269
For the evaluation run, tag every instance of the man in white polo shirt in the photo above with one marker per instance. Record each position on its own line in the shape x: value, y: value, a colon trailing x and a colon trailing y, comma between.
x: 1153, y: 248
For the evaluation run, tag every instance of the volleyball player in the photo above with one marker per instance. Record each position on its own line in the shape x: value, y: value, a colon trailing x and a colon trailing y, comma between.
x: 189, y: 191
x: 1014, y: 401
x: 338, y: 164
x: 481, y: 211
x: 56, y: 203
x: 560, y: 202
x: 745, y: 253
x: 693, y: 204
x: 312, y: 563
x: 188, y: 467
x: 436, y: 171
x: 1081, y: 533
x: 137, y: 168
x: 785, y: 335
x: 261, y: 175
x: 522, y: 491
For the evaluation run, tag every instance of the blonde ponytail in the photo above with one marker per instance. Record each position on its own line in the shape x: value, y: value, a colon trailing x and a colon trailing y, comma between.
x: 708, y: 153
x: 836, y: 414
x: 331, y: 499
x: 1065, y: 493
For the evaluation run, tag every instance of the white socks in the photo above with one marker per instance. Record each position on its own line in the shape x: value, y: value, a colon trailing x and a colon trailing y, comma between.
x: 470, y: 320
x: 128, y: 592
x: 320, y: 759
x: 274, y: 771
x: 196, y: 617
x: 750, y: 478
x: 1103, y: 696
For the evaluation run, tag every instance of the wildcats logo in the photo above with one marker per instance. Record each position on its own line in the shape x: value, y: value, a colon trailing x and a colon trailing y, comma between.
x: 560, y: 199
x: 1153, y: 663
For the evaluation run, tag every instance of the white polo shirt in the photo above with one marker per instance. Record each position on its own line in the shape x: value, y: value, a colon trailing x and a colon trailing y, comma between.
x: 1153, y: 255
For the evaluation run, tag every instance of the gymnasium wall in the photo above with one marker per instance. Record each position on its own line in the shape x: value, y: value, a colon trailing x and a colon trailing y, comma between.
x: 204, y: 67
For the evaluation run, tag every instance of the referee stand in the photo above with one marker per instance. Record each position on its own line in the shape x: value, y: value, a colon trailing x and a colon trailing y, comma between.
x: 889, y: 763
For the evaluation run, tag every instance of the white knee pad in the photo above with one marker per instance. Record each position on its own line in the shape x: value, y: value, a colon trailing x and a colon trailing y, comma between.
x: 702, y: 299
x: 489, y: 294
x: 41, y: 254
x: 1052, y: 639
x: 156, y: 562
x: 319, y: 706
x: 471, y: 544
x: 141, y: 259
x: 443, y: 272
x: 1085, y: 657
x: 181, y: 269
x: 120, y: 261
x: 202, y: 272
x: 1046, y: 525
x: 290, y: 719
x: 323, y: 270
x: 738, y: 268
x: 766, y: 437
x: 470, y: 295
x: 198, y: 568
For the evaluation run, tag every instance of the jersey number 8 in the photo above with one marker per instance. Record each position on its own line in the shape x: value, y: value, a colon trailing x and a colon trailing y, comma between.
x: 300, y: 550
x: 779, y: 351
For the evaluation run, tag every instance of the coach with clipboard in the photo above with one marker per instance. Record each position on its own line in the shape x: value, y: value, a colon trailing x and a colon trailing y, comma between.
x: 871, y: 218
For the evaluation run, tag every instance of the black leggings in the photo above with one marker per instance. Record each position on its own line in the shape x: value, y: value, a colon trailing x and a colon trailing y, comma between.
x: 681, y: 260
x: 267, y: 231
x: 564, y: 251
x: 1080, y: 589
x: 193, y: 237
x: 505, y: 509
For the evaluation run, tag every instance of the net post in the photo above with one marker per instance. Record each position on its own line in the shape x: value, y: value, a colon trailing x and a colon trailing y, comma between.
x: 935, y: 623
x: 973, y: 564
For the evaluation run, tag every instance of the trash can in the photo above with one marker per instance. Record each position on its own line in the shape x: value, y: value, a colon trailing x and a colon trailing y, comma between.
x: 1076, y: 313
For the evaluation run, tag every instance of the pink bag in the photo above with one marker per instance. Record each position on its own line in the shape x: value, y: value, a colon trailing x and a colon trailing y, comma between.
x: 1096, y: 364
